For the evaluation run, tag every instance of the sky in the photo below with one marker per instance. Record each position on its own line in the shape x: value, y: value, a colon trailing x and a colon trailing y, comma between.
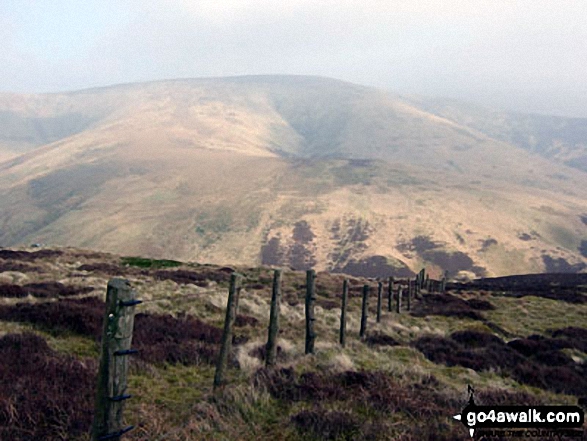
x: 521, y: 55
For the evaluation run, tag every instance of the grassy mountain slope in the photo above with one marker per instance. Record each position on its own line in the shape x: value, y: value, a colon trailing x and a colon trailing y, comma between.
x: 298, y: 171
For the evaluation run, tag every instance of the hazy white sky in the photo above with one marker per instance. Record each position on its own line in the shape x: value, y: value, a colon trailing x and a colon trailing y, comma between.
x: 527, y: 55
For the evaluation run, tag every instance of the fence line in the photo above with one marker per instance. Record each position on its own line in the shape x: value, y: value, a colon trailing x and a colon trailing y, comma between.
x: 119, y: 320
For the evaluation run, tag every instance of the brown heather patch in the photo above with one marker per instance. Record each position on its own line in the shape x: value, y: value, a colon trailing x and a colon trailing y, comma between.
x: 578, y: 336
x: 159, y: 338
x: 260, y: 352
x: 378, y: 339
x: 480, y: 305
x: 328, y: 303
x: 106, y: 268
x: 375, y: 405
x: 564, y: 287
x: 80, y: 316
x: 29, y: 256
x: 43, y: 395
x: 376, y: 389
x: 536, y: 360
x: 8, y: 265
x: 445, y: 305
x: 43, y: 290
x: 326, y: 424
x: 475, y: 339
x: 243, y: 320
x: 163, y: 338
x: 12, y: 291
x: 199, y: 278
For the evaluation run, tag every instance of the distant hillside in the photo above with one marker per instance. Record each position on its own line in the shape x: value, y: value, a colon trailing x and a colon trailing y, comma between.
x: 294, y: 171
x: 553, y: 137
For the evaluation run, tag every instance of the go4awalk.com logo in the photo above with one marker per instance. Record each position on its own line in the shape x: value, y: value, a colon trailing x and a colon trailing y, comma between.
x: 560, y: 420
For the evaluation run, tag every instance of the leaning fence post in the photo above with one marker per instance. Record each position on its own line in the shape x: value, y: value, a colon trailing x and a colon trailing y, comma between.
x: 345, y: 294
x: 364, y: 311
x: 112, y: 377
x: 227, y: 334
x: 310, y: 299
x: 274, y: 320
x: 379, y: 299
x: 389, y: 294
x: 398, y: 305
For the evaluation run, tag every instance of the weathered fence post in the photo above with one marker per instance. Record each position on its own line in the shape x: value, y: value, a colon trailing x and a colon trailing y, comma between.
x: 443, y: 282
x: 310, y: 299
x: 427, y: 283
x: 364, y: 311
x: 271, y: 348
x: 345, y: 294
x: 226, y: 347
x: 398, y: 304
x: 410, y: 293
x: 417, y: 291
x: 389, y: 294
x: 379, y: 299
x: 116, y: 340
x: 422, y: 277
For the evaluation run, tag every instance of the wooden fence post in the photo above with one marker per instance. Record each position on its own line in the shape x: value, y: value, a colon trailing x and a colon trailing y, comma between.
x: 410, y: 293
x: 310, y: 299
x: 379, y: 299
x: 226, y: 347
x: 271, y: 348
x: 364, y: 311
x: 422, y: 277
x: 417, y: 291
x: 345, y: 294
x: 389, y: 294
x: 398, y: 304
x: 112, y: 377
x: 443, y: 283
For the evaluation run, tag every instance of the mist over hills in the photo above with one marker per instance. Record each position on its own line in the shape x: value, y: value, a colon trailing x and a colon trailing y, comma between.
x: 293, y: 170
